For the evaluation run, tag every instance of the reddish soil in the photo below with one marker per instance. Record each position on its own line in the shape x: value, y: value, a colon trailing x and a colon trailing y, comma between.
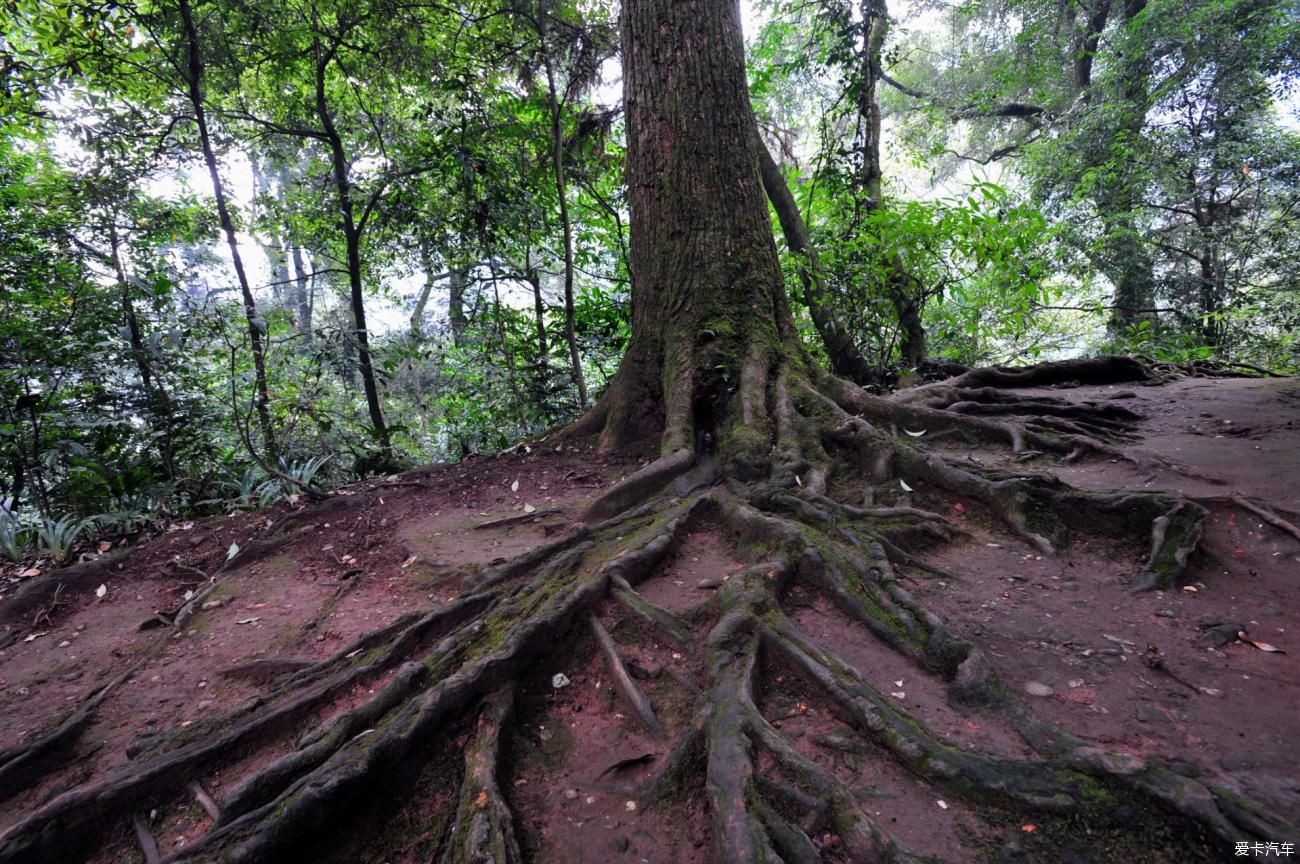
x: 1067, y: 631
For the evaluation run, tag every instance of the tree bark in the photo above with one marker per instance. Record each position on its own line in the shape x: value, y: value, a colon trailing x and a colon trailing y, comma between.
x: 709, y: 307
x: 256, y: 325
x: 458, y: 280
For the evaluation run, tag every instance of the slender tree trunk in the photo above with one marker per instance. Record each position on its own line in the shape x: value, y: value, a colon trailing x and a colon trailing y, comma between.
x: 458, y: 280
x: 256, y: 325
x: 841, y: 349
x: 1131, y: 268
x: 302, y: 296
x: 566, y: 227
x: 906, y: 303
x: 352, y: 240
x: 875, y: 20
x: 159, y: 402
x: 274, y: 247
x: 300, y: 289
x: 430, y: 279
x: 534, y: 279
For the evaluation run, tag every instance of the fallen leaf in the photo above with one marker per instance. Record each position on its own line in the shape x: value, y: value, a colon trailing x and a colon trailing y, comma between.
x: 943, y: 805
x: 514, y: 487
x: 559, y: 679
x: 529, y: 508
x: 409, y: 561
x: 30, y: 571
x: 101, y: 590
x: 1029, y: 829
x: 797, y: 480
x: 104, y: 546
x: 232, y: 551
x: 248, y: 620
x: 33, y: 637
x: 915, y: 434
x: 903, y: 483
x: 481, y: 801
x: 1263, y: 646
x: 1191, y: 589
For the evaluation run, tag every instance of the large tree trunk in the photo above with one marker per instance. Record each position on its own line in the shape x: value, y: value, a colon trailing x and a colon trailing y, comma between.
x: 709, y: 314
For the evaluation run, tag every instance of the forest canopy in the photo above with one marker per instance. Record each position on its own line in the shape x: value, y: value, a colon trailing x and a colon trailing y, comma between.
x: 251, y: 250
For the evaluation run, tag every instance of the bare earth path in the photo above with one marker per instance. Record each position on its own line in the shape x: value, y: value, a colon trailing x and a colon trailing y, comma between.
x: 1158, y: 676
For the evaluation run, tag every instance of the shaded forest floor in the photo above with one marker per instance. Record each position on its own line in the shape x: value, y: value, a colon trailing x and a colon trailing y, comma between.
x: 1066, y: 630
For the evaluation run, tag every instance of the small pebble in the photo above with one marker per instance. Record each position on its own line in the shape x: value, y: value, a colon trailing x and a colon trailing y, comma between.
x: 1035, y: 688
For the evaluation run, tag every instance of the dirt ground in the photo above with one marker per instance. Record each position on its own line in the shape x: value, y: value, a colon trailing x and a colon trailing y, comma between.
x: 1066, y: 630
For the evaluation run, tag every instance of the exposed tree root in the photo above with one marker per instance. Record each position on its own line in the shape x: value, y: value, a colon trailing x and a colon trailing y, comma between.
x: 1265, y: 514
x: 785, y: 524
x: 484, y: 827
x: 627, y: 686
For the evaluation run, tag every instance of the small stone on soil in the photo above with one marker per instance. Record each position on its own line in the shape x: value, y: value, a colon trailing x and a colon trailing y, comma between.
x: 1035, y: 688
x: 1238, y: 761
